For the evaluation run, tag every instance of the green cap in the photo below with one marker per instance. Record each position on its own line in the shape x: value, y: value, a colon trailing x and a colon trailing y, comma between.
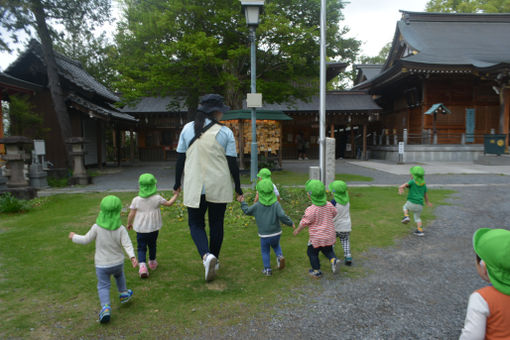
x: 266, y: 192
x: 317, y: 192
x: 418, y: 174
x: 109, y: 214
x: 493, y: 247
x: 264, y: 173
x: 147, y: 184
x: 339, y: 190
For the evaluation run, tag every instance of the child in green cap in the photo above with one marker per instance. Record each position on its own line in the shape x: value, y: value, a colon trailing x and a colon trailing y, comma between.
x: 417, y: 193
x: 342, y: 219
x: 265, y: 173
x: 110, y: 236
x: 145, y: 217
x: 268, y: 213
x: 488, y: 311
x: 319, y: 219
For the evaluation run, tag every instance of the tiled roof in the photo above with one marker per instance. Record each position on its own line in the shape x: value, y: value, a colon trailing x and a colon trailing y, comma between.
x: 102, y: 111
x: 156, y: 105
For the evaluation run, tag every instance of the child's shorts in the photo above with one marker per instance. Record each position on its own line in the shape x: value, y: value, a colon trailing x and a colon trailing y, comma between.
x: 416, y: 209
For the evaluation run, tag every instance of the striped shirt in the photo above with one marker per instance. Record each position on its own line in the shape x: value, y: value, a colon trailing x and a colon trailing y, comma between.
x: 321, y: 228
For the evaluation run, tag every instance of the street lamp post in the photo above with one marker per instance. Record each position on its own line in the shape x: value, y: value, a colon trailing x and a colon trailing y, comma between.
x: 252, y: 10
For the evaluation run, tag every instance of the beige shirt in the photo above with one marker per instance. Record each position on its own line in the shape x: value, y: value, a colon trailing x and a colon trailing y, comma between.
x: 148, y: 213
x: 342, y: 220
x: 109, y: 244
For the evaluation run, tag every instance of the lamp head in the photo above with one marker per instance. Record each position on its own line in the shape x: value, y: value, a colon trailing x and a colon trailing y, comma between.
x: 252, y: 10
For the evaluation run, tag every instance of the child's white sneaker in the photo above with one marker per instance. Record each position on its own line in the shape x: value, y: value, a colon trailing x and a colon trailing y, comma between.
x: 334, y: 264
x: 210, y: 266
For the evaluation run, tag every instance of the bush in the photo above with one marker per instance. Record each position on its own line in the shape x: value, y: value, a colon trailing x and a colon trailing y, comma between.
x: 55, y: 182
x: 10, y: 204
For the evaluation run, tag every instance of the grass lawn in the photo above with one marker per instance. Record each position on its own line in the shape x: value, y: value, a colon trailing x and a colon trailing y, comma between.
x: 48, y: 283
x: 286, y: 177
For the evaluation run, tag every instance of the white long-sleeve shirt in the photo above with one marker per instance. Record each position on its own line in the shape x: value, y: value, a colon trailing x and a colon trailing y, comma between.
x: 109, y: 244
x: 476, y: 318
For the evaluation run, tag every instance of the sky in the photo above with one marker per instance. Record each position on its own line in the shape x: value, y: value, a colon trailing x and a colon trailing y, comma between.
x: 371, y: 21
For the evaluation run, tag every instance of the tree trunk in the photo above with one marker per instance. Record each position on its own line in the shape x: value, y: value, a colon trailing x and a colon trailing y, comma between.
x: 57, y: 94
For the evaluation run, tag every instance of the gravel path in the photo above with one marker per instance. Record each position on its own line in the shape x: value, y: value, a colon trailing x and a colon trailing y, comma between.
x: 417, y: 289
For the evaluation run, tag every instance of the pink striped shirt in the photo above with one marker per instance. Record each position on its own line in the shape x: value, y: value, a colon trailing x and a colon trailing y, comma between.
x: 321, y: 228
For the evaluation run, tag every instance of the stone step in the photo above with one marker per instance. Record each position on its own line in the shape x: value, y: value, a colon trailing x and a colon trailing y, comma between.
x: 493, y: 160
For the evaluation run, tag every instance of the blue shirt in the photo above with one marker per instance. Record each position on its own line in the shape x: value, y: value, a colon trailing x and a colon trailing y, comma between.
x: 225, y: 138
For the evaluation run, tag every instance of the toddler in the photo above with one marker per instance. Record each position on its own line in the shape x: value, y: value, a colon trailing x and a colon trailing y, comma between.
x: 268, y: 213
x: 145, y: 217
x: 110, y: 236
x: 417, y: 193
x: 342, y: 219
x: 488, y: 311
x: 319, y: 219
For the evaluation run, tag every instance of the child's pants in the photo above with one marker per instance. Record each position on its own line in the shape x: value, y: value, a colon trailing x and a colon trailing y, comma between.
x: 416, y: 209
x: 103, y: 282
x: 266, y: 243
x: 145, y: 240
x: 346, y: 244
x: 313, y: 254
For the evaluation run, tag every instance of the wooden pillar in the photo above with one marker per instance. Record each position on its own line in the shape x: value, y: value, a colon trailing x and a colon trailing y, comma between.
x: 132, y: 146
x: 281, y: 145
x: 2, y: 147
x: 364, y: 142
x: 117, y: 143
x: 353, y: 152
x: 99, y: 129
x: 240, y: 140
x: 504, y: 119
x: 332, y: 130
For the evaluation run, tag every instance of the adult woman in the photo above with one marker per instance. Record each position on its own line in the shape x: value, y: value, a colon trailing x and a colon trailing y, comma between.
x: 207, y: 154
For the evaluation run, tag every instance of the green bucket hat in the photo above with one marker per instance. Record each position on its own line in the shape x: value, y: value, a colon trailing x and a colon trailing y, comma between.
x: 147, y: 184
x: 317, y: 192
x: 109, y: 214
x: 339, y: 190
x: 418, y: 174
x: 264, y: 173
x: 265, y: 189
x: 493, y: 247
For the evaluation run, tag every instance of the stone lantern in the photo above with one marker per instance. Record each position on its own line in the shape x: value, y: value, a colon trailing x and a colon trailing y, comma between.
x: 15, y: 157
x: 78, y: 151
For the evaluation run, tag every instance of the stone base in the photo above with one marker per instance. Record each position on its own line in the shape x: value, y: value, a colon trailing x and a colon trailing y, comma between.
x: 493, y: 160
x: 3, y: 182
x: 315, y: 172
x: 428, y: 153
x: 80, y: 180
x: 26, y: 193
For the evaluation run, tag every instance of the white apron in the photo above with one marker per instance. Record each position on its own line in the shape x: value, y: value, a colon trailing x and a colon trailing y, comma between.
x: 206, y: 166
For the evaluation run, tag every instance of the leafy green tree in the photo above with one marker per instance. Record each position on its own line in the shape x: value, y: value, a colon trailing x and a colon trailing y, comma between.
x: 190, y: 47
x: 45, y: 17
x: 23, y: 121
x: 378, y: 59
x: 468, y: 6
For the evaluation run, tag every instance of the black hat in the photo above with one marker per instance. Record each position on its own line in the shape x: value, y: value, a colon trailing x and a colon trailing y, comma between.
x: 210, y: 103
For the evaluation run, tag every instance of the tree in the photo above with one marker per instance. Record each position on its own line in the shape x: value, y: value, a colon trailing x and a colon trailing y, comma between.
x: 468, y: 6
x: 22, y: 119
x: 190, y: 47
x: 378, y: 59
x: 44, y: 17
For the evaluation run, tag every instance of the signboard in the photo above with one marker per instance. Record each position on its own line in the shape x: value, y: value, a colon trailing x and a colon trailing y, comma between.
x: 400, y: 148
x: 254, y: 100
x: 39, y: 147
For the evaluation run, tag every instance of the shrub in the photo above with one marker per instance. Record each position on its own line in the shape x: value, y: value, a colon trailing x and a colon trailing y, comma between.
x: 10, y: 204
x: 55, y: 182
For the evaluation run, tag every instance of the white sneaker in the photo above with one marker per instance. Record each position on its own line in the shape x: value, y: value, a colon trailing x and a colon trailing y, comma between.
x: 210, y: 265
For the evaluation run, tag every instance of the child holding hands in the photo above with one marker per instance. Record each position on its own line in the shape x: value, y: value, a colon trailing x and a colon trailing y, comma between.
x: 110, y: 236
x: 268, y: 214
x: 417, y: 193
x: 319, y: 219
x: 145, y: 218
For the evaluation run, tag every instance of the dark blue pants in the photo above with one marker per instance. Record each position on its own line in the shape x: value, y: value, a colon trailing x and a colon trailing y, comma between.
x: 196, y: 222
x: 313, y: 254
x: 145, y: 240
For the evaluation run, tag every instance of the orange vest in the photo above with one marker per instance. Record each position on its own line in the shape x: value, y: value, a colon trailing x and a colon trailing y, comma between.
x: 498, y: 322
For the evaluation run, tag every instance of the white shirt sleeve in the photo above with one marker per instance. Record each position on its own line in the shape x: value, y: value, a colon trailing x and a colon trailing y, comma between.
x: 162, y: 200
x: 133, y: 205
x: 87, y: 238
x: 126, y: 242
x: 476, y: 318
x: 276, y: 190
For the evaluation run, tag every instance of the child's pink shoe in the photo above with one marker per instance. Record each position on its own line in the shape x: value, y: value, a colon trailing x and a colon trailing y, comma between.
x: 143, y: 272
x: 153, y: 264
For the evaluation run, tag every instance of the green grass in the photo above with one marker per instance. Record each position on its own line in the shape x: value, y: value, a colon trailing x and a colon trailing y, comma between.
x: 286, y: 177
x: 48, y: 283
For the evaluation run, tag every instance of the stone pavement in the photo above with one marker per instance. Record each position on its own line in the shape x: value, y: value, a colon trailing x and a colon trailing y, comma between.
x: 437, y: 174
